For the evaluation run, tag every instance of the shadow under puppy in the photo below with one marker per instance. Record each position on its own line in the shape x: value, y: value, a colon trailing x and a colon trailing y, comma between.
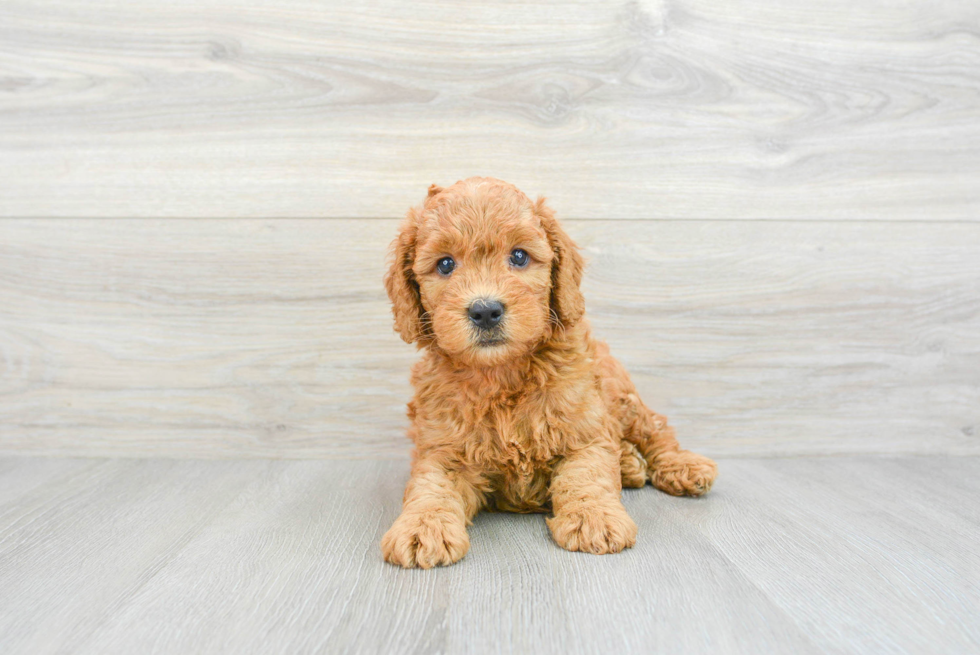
x: 516, y: 405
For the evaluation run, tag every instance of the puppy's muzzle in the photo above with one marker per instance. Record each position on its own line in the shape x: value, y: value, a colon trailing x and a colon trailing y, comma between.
x: 486, y: 314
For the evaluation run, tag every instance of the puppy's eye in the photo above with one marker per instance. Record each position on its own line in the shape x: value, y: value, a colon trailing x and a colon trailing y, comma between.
x: 519, y: 258
x: 445, y: 265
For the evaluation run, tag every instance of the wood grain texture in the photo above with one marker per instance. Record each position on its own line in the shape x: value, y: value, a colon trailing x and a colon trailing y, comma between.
x: 73, y: 549
x: 616, y: 109
x: 834, y: 539
x: 818, y: 555
x: 219, y: 338
x: 22, y: 476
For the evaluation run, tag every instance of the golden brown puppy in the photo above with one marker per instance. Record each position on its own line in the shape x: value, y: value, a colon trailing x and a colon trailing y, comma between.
x: 516, y: 405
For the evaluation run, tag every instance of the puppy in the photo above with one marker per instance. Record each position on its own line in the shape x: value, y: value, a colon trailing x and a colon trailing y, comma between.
x: 517, y: 407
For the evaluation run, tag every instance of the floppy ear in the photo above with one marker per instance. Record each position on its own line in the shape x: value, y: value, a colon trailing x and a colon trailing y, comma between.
x: 566, y: 268
x: 400, y: 282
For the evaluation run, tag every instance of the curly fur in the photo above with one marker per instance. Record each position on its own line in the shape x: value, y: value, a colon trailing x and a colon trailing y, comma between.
x: 545, y: 421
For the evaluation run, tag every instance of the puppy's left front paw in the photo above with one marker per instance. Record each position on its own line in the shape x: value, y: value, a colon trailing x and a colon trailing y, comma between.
x: 594, y: 529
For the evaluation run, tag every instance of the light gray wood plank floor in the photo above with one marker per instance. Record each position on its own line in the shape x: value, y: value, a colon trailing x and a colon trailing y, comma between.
x: 838, y: 554
x: 249, y: 337
x: 615, y: 108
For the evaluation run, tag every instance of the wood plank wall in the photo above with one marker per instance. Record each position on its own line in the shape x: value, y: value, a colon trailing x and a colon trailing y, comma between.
x: 779, y: 202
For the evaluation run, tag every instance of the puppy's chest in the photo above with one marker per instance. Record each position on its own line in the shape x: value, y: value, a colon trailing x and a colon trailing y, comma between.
x: 518, y: 453
x: 517, y: 437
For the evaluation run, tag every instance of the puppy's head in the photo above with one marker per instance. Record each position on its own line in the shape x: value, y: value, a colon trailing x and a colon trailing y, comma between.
x: 483, y: 273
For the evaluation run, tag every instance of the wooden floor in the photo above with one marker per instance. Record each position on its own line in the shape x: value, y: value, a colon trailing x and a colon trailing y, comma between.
x: 785, y: 555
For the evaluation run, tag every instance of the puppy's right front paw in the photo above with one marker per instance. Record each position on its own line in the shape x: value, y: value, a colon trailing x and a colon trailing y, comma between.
x: 425, y: 539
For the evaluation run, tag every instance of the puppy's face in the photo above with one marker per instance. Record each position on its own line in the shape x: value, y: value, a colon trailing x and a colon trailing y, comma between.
x: 480, y: 271
x: 484, y: 276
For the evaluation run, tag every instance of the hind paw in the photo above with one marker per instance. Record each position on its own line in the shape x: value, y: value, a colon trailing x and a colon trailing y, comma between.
x: 683, y: 473
x: 632, y: 466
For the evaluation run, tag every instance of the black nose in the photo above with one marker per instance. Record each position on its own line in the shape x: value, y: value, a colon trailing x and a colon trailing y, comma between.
x: 486, y: 313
